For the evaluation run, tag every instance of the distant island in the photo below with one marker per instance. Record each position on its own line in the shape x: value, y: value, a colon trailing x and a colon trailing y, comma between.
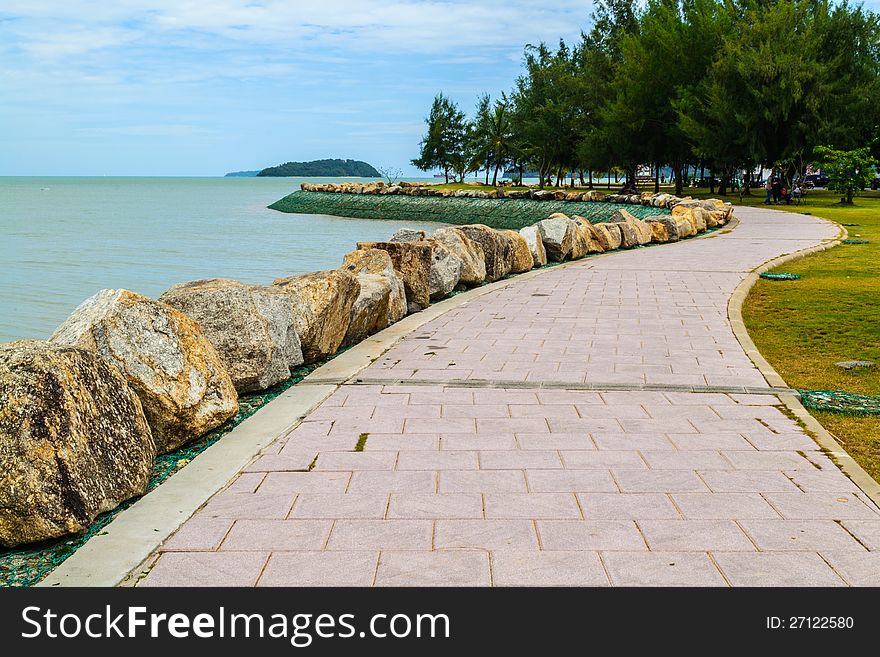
x: 323, y: 168
x: 241, y: 174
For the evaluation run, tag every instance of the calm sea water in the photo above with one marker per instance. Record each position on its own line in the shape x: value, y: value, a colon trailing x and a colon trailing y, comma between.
x: 63, y: 239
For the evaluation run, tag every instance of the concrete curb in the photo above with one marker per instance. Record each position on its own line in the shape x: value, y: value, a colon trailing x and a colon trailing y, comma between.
x: 791, y: 401
x: 126, y: 546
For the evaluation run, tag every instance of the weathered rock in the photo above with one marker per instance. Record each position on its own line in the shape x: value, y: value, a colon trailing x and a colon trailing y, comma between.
x: 536, y: 245
x: 497, y: 249
x: 445, y: 265
x: 590, y: 235
x: 251, y: 327
x: 633, y: 232
x: 166, y: 357
x: 855, y: 364
x: 381, y: 300
x: 408, y: 235
x: 669, y: 230
x: 321, y: 303
x: 694, y: 215
x: 473, y: 262
x: 608, y: 235
x: 74, y: 441
x: 685, y: 227
x: 557, y: 233
x: 594, y: 196
x: 412, y: 262
x: 523, y: 260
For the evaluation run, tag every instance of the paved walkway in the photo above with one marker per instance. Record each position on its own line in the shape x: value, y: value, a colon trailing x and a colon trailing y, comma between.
x: 504, y: 448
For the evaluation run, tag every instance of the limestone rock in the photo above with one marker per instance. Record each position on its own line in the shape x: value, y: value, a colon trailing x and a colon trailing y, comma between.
x: 74, y: 441
x: 498, y: 249
x: 168, y: 361
x: 685, y: 227
x: 557, y: 233
x: 659, y: 233
x: 523, y: 260
x: 693, y: 214
x: 590, y: 235
x: 633, y: 232
x: 251, y: 327
x: 536, y: 245
x: 473, y: 262
x: 412, y: 262
x: 445, y: 265
x: 608, y: 235
x: 408, y: 235
x: 382, y: 299
x: 321, y: 303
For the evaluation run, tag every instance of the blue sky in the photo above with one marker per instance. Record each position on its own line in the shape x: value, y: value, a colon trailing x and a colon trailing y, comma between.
x: 149, y: 87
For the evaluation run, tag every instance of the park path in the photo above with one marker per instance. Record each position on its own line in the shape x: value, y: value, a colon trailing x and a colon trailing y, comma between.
x: 506, y: 444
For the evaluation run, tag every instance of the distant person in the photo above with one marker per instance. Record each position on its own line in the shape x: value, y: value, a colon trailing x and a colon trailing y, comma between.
x: 769, y: 187
x: 797, y: 193
x: 776, y: 190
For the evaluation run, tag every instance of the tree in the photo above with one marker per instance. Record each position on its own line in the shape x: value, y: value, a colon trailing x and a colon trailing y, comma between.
x: 848, y: 171
x: 443, y: 146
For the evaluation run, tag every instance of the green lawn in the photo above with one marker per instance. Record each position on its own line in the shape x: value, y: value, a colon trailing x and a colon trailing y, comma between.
x: 832, y: 313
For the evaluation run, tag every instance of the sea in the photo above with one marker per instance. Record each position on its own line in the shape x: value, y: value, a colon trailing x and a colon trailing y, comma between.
x: 64, y: 239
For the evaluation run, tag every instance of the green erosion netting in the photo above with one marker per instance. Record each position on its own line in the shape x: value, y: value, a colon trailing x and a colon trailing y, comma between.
x: 839, y: 401
x: 493, y: 212
x: 780, y: 276
x: 855, y: 242
x: 27, y: 565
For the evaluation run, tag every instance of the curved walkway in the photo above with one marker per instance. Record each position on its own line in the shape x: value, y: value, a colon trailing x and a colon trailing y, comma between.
x: 597, y: 424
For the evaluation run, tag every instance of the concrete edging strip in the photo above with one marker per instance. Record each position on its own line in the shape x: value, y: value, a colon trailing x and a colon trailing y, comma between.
x: 792, y: 401
x: 129, y: 540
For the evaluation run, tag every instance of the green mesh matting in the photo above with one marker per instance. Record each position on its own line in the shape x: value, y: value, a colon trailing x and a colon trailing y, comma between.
x: 493, y: 212
x: 27, y: 565
x: 855, y: 242
x: 780, y: 276
x: 838, y: 401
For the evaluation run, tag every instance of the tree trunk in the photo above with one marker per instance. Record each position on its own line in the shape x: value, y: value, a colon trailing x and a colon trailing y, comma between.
x: 495, y: 175
x: 608, y: 180
x: 656, y: 178
x: 487, y: 171
x: 590, y: 183
x: 747, y: 183
x: 446, y: 174
x: 677, y: 174
x: 711, y: 180
x: 702, y: 171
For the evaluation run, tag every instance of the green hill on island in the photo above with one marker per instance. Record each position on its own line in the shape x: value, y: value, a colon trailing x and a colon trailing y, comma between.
x: 323, y: 168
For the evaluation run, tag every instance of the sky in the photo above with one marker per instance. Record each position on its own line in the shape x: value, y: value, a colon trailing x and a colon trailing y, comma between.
x: 199, y: 88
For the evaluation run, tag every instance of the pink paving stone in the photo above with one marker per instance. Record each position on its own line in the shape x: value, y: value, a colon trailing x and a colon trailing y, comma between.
x: 282, y: 463
x: 477, y: 441
x: 626, y: 506
x: 475, y: 410
x: 377, y: 481
x: 817, y: 481
x: 685, y: 460
x: 482, y: 481
x: 866, y: 531
x: 775, y: 569
x: 694, y: 535
x: 567, y: 441
x: 485, y: 535
x: 785, y: 441
x: 394, y: 442
x: 835, y: 506
x: 206, y: 569
x: 340, y: 505
x: 541, y: 411
x: 857, y: 568
x: 320, y: 569
x: 247, y: 482
x: 351, y: 461
x: 603, y: 459
x: 202, y: 532
x: 511, y: 425
x: 589, y: 411
x: 767, y: 460
x: 262, y: 504
x: 531, y: 505
x: 575, y: 568
x: 440, y: 425
x: 712, y: 441
x: 661, y: 569
x: 431, y: 505
x: 439, y: 460
x: 519, y: 460
x: 590, y: 535
x: 421, y: 411
x: 304, y: 482
x: 381, y: 535
x: 570, y: 481
x: 800, y: 535
x: 276, y: 535
x: 452, y: 568
x: 723, y: 506
x: 747, y: 481
x: 631, y: 441
x: 659, y: 481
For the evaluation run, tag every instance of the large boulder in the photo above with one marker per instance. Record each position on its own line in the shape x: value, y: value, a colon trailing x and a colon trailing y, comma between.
x: 633, y: 232
x: 166, y: 357
x: 608, y: 235
x: 321, y: 303
x: 536, y: 245
x: 74, y: 441
x: 523, y: 260
x: 590, y: 235
x: 446, y: 266
x: 664, y: 228
x: 252, y: 328
x: 412, y: 262
x: 557, y: 233
x: 693, y: 214
x: 473, y: 261
x: 381, y: 300
x: 498, y: 249
x: 684, y: 226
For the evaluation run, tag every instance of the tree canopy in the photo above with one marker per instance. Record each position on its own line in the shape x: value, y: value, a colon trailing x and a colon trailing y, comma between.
x: 726, y: 85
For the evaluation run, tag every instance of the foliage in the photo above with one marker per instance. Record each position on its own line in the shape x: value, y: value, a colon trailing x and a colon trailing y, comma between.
x: 848, y: 171
x: 323, y: 168
x: 444, y: 144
